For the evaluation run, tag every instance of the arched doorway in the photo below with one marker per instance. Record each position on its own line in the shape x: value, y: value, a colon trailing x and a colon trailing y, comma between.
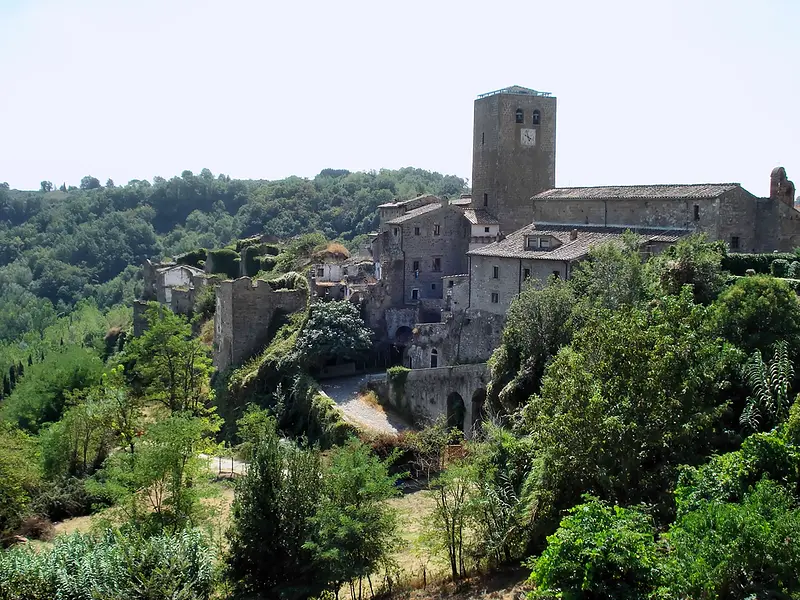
x: 434, y: 358
x: 402, y: 337
x: 478, y: 409
x: 455, y: 411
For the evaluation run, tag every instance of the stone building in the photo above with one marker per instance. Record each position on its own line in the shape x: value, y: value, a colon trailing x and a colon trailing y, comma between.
x: 499, y: 271
x: 174, y: 285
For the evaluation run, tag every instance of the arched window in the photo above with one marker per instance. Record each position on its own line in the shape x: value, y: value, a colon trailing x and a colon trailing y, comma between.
x: 536, y: 117
x: 434, y: 358
x: 520, y: 116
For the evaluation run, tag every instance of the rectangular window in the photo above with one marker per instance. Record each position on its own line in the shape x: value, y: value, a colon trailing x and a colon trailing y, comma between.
x: 696, y: 212
x: 495, y: 297
x: 485, y: 199
x: 416, y: 230
x: 526, y: 274
x: 415, y: 294
x: 544, y: 242
x: 495, y: 272
x: 396, y: 231
x: 437, y: 264
x: 734, y: 242
x: 450, y: 283
x: 436, y: 230
x: 557, y: 274
x: 415, y: 266
x: 485, y: 230
x: 483, y: 138
x: 533, y: 243
x: 433, y: 286
x: 320, y: 272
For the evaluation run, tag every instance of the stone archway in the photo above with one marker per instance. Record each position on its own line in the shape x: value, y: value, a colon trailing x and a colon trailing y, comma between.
x: 397, y: 351
x: 456, y: 411
x: 478, y: 407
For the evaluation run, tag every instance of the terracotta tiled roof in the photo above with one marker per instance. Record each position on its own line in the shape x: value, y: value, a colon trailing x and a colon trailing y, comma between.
x: 479, y: 216
x: 638, y: 192
x: 413, y: 214
x: 461, y: 201
x: 514, y: 245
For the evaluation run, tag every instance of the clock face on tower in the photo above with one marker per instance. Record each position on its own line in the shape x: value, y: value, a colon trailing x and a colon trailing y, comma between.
x: 527, y: 137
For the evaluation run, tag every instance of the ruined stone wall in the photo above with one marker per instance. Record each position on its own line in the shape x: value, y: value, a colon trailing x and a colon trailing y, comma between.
x: 424, y: 395
x: 244, y: 313
x: 456, y: 290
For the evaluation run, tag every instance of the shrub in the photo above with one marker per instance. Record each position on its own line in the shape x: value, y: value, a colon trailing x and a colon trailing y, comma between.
x: 736, y: 551
x: 193, y: 258
x: 289, y: 281
x: 225, y: 260
x: 779, y: 268
x: 112, y: 566
x: 738, y: 264
x: 600, y: 552
x: 794, y: 270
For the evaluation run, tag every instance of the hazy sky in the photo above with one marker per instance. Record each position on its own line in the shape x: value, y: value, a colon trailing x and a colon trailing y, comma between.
x: 648, y: 91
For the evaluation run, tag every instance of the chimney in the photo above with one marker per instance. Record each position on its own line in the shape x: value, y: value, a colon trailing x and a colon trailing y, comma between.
x: 573, y: 235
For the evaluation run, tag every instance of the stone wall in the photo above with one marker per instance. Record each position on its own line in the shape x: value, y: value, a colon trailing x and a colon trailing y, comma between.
x: 466, y: 337
x: 428, y: 393
x: 244, y: 313
x: 509, y: 283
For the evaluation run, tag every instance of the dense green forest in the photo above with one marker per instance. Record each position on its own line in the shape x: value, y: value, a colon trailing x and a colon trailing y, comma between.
x: 60, y: 247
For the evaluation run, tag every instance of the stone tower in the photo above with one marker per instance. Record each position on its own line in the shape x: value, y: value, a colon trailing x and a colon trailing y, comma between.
x: 514, y: 153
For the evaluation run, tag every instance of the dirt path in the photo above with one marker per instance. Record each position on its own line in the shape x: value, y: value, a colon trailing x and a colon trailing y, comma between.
x: 344, y: 392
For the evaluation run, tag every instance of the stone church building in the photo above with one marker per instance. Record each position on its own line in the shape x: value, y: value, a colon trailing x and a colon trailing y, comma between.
x: 451, y: 267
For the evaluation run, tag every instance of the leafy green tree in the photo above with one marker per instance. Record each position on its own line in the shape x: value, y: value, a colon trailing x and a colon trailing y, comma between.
x: 452, y: 492
x: 89, y: 183
x: 43, y: 394
x: 692, y: 261
x: 756, y: 312
x: 46, y: 186
x: 735, y: 551
x: 19, y: 476
x: 270, y: 521
x: 599, y: 552
x: 165, y: 471
x: 637, y: 393
x: 538, y: 324
x: 333, y: 330
x: 354, y: 531
x: 170, y: 366
x: 613, y: 275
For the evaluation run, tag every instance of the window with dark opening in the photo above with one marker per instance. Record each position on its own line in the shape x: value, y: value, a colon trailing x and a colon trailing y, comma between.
x: 485, y: 199
x: 557, y: 274
x: 485, y: 230
x: 396, y: 231
x: 415, y: 265
x: 320, y: 271
x: 495, y: 272
x: 436, y: 229
x: 520, y: 116
x: 450, y: 283
x: 416, y: 230
x: 536, y: 117
x: 495, y: 297
x: 483, y: 139
x: 734, y: 242
x: 696, y: 212
x: 437, y: 264
x: 433, y: 286
x: 434, y: 358
x: 526, y: 274
x: 415, y: 294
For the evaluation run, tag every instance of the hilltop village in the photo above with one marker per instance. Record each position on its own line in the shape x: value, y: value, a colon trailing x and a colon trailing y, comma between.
x: 438, y: 276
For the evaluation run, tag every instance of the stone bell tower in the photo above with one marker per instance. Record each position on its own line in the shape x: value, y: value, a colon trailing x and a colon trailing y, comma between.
x: 513, y: 153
